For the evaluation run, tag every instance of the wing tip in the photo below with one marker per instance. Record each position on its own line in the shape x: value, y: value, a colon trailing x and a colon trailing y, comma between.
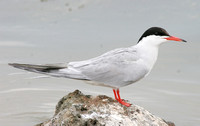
x: 13, y: 64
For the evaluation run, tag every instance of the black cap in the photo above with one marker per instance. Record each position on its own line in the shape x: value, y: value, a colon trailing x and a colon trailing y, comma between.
x: 154, y: 31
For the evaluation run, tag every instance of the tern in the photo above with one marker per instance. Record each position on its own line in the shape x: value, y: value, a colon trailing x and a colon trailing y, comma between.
x: 117, y: 68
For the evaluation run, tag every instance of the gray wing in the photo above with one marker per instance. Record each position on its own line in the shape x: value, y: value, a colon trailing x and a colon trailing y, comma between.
x: 116, y: 68
x: 56, y: 70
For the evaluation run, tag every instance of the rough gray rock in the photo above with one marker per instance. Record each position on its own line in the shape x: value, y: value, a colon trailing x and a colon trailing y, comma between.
x: 77, y: 109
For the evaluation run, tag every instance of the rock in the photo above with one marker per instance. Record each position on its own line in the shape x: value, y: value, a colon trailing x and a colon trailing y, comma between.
x: 77, y: 109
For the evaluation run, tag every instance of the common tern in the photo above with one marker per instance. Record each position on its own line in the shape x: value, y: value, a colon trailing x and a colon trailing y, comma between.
x: 116, y: 68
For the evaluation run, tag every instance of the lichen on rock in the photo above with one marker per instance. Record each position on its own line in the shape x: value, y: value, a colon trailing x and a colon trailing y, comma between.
x: 77, y: 109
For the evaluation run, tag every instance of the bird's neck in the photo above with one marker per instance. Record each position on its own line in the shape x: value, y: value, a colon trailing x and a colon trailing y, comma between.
x: 148, y: 54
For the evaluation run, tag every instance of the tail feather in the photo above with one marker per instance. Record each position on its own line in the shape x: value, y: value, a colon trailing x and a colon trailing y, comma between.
x: 51, y: 69
x: 38, y: 68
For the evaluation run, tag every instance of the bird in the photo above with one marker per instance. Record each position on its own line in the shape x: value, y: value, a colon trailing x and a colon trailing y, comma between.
x: 116, y: 68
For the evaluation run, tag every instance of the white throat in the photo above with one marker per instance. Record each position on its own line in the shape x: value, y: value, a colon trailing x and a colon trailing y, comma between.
x: 148, y: 49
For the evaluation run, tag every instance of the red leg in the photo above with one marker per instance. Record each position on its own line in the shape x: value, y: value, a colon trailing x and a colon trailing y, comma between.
x: 121, y: 101
x: 115, y: 94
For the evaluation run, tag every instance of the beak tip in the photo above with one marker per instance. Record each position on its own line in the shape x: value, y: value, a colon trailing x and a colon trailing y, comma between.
x: 184, y: 40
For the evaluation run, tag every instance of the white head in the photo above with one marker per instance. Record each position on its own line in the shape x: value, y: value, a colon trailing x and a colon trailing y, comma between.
x: 155, y: 36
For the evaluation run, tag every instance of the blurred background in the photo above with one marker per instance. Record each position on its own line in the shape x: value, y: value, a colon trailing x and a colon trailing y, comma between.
x: 56, y: 31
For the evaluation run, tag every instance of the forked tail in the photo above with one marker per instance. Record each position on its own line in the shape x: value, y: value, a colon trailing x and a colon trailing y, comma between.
x: 39, y: 68
x: 56, y: 70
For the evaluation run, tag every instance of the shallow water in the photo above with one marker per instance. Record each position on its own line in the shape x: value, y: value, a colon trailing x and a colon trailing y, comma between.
x: 62, y: 31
